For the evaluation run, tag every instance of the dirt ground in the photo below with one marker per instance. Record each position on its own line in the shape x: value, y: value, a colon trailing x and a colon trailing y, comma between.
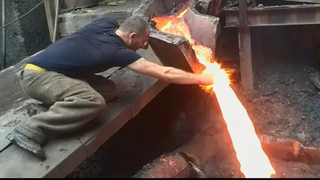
x: 287, y: 105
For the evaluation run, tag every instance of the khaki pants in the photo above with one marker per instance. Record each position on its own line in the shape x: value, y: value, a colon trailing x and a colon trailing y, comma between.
x: 74, y: 102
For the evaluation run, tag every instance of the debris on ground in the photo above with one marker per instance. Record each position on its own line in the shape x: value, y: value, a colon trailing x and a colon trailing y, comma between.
x: 79, y: 11
x: 108, y: 3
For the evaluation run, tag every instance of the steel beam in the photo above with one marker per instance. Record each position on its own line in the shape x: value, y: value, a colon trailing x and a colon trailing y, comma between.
x: 275, y: 15
x: 246, y: 71
x: 244, y: 37
x: 304, y: 1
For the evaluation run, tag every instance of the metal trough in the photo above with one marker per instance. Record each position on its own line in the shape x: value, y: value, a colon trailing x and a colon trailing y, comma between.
x: 175, y: 50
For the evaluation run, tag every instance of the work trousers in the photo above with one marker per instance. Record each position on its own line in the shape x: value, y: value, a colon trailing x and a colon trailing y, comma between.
x: 74, y: 102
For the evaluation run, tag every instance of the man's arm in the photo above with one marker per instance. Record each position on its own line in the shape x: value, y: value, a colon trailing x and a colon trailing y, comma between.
x: 169, y: 74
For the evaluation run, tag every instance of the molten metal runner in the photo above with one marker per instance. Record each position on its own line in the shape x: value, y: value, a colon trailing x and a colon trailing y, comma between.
x: 253, y: 160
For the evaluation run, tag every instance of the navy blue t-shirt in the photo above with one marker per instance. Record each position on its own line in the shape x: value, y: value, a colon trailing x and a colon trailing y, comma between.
x: 94, y: 48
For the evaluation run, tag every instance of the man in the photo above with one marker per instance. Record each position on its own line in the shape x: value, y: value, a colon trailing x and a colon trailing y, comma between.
x: 63, y: 76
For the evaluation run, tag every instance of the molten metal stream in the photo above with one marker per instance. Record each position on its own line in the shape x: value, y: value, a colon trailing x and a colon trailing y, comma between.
x: 253, y: 160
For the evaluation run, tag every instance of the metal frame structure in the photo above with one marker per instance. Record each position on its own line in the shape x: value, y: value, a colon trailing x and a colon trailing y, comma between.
x: 243, y: 18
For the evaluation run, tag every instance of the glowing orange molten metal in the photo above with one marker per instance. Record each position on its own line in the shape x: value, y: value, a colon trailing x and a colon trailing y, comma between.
x: 254, y: 162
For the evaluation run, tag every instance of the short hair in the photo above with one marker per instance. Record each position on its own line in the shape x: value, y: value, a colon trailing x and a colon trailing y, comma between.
x: 135, y: 24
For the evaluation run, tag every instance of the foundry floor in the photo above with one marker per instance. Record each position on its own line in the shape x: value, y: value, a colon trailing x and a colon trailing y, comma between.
x: 285, y: 104
x: 168, y: 122
x: 63, y: 155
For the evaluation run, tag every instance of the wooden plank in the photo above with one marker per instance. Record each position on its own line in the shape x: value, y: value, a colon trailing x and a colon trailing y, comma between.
x: 145, y: 88
x: 64, y: 155
x: 4, y: 143
x: 61, y: 151
x: 12, y: 116
x: 12, y: 101
x: 50, y: 13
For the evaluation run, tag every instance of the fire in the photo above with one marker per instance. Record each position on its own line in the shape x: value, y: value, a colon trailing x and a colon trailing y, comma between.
x: 253, y: 160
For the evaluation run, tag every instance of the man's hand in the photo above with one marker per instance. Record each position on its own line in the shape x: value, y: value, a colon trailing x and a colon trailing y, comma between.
x: 207, y: 79
x: 169, y: 74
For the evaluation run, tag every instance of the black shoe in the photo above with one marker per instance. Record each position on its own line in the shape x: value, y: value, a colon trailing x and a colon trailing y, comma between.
x: 27, y: 144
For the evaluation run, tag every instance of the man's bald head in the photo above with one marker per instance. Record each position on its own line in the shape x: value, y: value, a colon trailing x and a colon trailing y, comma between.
x: 136, y: 24
x: 135, y: 32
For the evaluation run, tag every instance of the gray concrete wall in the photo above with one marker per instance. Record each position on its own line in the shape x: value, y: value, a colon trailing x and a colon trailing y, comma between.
x: 71, y: 22
x: 28, y: 35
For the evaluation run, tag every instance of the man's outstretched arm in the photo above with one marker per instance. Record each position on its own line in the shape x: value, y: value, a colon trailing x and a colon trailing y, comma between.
x: 169, y: 74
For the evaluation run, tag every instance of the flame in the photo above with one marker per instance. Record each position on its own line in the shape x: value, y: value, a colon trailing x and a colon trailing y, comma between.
x: 254, y: 163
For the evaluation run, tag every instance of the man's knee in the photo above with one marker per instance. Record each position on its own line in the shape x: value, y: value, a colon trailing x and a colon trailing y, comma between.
x: 99, y: 101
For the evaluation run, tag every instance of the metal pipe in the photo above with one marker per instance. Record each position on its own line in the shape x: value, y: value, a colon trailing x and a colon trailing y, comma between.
x: 184, y: 162
x: 55, y: 21
x: 171, y: 165
x: 4, y: 53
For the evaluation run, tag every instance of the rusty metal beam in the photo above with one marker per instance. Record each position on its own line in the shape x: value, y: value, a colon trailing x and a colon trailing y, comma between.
x: 275, y: 15
x: 244, y: 37
x: 176, y: 164
x: 246, y: 71
x: 304, y: 1
x: 171, y: 165
x: 242, y: 13
x: 289, y: 149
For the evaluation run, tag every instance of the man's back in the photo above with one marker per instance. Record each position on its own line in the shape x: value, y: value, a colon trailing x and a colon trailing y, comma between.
x: 92, y: 49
